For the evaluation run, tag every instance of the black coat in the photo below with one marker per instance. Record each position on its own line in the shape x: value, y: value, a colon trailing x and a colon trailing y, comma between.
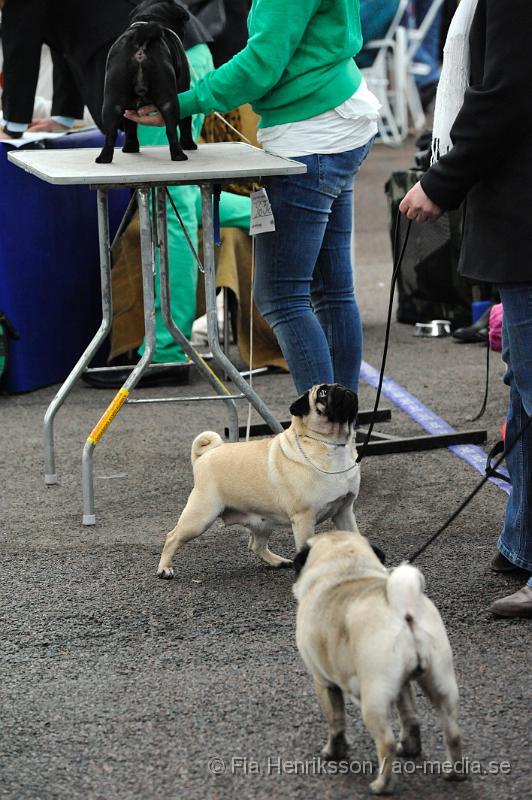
x: 83, y: 32
x: 490, y: 165
x: 78, y: 28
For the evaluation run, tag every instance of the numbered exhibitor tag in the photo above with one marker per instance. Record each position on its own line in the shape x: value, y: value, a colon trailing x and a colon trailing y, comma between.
x: 262, y: 219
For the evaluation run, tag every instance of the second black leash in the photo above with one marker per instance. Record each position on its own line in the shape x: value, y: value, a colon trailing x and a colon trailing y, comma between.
x: 398, y: 260
x: 491, y: 471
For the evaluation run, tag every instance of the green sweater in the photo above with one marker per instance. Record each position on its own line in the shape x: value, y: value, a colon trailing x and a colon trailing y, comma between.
x: 298, y: 62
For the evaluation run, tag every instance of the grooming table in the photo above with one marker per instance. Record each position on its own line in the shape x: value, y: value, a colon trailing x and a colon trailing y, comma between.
x: 149, y: 173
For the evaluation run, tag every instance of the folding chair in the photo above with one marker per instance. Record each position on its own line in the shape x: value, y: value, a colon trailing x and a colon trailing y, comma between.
x: 386, y: 77
x: 414, y: 38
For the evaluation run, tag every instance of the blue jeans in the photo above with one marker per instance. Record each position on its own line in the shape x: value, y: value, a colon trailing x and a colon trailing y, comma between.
x: 515, y: 542
x: 304, y: 276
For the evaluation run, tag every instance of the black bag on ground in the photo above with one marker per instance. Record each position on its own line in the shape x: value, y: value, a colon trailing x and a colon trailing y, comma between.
x: 429, y: 286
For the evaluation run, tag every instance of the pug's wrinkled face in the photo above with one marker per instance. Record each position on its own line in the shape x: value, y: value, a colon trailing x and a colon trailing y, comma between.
x: 327, y: 408
x: 336, y: 545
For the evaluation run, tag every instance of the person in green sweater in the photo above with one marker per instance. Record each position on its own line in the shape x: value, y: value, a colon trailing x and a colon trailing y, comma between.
x: 298, y: 72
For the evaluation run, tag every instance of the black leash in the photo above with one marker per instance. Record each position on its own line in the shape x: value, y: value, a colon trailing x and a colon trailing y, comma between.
x: 397, y: 266
x: 487, y: 384
x: 491, y: 470
x: 495, y: 451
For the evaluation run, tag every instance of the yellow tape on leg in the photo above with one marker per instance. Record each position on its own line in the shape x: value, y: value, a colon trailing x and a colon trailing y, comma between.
x: 214, y: 375
x: 113, y: 409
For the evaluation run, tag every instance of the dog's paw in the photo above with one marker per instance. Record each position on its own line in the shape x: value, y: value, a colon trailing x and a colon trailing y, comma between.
x: 165, y: 572
x: 272, y: 559
x: 336, y: 748
x: 383, y: 785
x: 189, y: 146
x: 104, y: 159
x: 133, y: 148
x: 179, y: 157
x: 410, y: 746
x: 454, y: 774
x: 285, y: 563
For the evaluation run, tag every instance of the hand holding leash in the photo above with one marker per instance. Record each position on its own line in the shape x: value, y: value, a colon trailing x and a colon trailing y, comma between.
x: 417, y: 206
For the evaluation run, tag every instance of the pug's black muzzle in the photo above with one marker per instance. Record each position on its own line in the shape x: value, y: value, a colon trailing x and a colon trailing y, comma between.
x: 341, y: 403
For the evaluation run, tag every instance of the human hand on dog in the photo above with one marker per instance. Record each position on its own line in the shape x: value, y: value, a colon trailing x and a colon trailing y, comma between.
x: 146, y: 115
x: 417, y: 206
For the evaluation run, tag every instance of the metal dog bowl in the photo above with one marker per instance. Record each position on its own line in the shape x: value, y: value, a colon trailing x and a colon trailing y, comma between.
x: 436, y: 327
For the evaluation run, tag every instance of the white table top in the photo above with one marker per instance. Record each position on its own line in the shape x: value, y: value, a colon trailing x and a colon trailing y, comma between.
x: 209, y: 163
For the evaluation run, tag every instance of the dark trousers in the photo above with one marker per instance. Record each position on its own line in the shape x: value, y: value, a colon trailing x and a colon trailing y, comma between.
x: 90, y: 79
x: 23, y: 35
x: 21, y: 46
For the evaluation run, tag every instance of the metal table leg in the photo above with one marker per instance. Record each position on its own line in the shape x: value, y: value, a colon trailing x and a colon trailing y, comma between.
x: 205, y: 370
x: 96, y: 434
x: 50, y: 475
x: 212, y: 318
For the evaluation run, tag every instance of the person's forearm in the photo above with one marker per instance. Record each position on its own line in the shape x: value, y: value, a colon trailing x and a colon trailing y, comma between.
x: 255, y: 70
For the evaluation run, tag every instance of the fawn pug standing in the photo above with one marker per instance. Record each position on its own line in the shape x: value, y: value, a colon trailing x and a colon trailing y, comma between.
x: 300, y: 477
x: 367, y: 633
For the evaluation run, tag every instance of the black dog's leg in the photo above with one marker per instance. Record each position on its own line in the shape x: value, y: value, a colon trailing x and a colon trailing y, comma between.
x: 170, y: 114
x: 106, y: 156
x: 111, y: 121
x: 131, y: 144
x: 187, y: 142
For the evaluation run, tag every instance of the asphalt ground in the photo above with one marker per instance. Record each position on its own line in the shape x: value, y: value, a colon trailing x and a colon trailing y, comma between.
x: 117, y: 685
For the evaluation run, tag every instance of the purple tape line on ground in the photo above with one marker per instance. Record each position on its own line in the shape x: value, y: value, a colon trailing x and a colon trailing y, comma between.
x: 472, y: 454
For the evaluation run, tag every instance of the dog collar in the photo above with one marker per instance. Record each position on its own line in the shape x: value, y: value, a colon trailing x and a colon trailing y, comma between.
x: 325, y: 441
x: 319, y: 469
x: 163, y: 27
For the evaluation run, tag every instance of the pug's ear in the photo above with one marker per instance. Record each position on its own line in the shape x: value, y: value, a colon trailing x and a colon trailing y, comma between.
x: 301, y: 407
x: 351, y: 406
x: 181, y: 11
x: 381, y: 555
x: 301, y: 559
x: 180, y: 17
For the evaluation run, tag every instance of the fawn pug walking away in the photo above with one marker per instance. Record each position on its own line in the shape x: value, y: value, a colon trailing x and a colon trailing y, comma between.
x: 366, y: 633
x: 147, y: 65
x: 300, y: 477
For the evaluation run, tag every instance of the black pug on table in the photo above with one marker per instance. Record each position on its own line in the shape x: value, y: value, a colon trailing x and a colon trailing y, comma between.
x: 147, y: 65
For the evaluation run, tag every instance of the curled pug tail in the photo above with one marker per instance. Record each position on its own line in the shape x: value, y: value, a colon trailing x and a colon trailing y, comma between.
x: 404, y: 589
x: 203, y: 442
